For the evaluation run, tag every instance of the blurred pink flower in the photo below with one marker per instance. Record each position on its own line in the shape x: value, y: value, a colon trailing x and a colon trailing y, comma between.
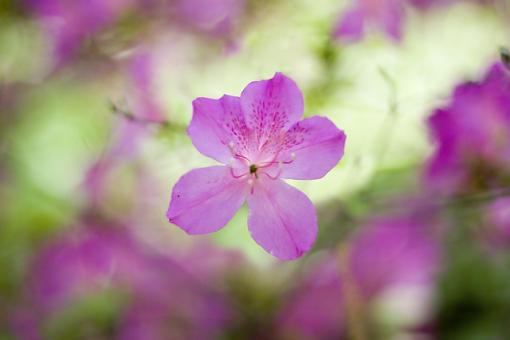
x: 260, y: 139
x: 188, y: 311
x: 385, y: 15
x: 393, y: 251
x: 316, y: 307
x: 387, y: 253
x: 472, y: 136
x: 211, y: 264
x: 166, y: 296
x: 215, y: 17
x: 180, y: 298
x: 84, y: 261
x: 69, y: 23
x: 23, y: 323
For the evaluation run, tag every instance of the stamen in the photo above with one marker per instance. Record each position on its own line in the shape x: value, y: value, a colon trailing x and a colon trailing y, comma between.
x: 236, y: 176
x: 268, y: 164
x: 272, y: 177
x: 277, y: 174
x: 241, y: 157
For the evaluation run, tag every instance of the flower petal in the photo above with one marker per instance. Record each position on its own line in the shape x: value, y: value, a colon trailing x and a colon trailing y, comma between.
x: 391, y: 252
x: 218, y: 128
x: 270, y: 106
x: 391, y: 19
x: 313, y: 146
x: 282, y: 219
x: 350, y: 27
x: 205, y: 199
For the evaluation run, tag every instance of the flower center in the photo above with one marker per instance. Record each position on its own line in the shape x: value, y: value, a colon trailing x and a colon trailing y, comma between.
x: 253, y: 169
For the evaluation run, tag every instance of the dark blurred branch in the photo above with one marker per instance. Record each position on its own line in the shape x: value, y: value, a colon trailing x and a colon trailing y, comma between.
x: 130, y: 116
x: 477, y: 198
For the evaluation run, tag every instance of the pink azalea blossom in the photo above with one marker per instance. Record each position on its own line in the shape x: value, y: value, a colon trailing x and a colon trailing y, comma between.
x: 179, y: 298
x: 316, y: 307
x: 394, y: 251
x: 261, y: 140
x: 69, y: 23
x: 385, y: 15
x: 164, y: 295
x: 190, y: 312
x: 388, y: 253
x: 214, y: 17
x: 85, y: 261
x: 472, y: 134
x: 23, y: 323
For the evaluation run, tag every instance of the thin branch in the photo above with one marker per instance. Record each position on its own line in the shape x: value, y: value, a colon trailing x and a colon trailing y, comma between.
x: 384, y: 135
x: 130, y: 116
x: 481, y: 197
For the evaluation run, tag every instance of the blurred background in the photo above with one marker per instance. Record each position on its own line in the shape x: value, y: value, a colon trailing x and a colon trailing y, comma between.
x: 414, y: 222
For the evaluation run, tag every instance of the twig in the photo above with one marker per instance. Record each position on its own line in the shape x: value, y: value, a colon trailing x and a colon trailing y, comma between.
x: 477, y: 198
x: 128, y: 115
x: 383, y: 139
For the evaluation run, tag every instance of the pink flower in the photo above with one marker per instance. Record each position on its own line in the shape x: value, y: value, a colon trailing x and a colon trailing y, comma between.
x: 260, y: 140
x: 394, y: 251
x: 84, y: 261
x: 162, y: 295
x: 179, y: 299
x: 218, y: 18
x: 69, y: 23
x: 316, y: 307
x: 386, y: 15
x: 387, y: 253
x: 472, y: 135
